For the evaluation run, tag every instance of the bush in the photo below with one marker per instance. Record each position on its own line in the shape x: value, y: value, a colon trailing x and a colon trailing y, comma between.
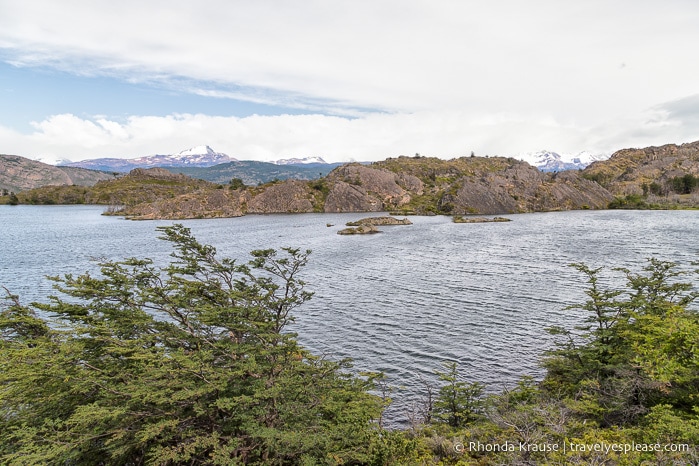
x: 684, y: 184
x: 458, y: 403
x: 236, y: 183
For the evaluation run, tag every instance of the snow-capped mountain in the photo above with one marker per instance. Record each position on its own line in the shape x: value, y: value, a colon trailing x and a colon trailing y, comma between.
x: 50, y: 160
x: 200, y: 156
x: 303, y: 161
x: 548, y: 161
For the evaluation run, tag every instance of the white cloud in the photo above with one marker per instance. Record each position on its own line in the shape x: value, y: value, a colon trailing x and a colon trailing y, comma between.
x: 409, y: 55
x: 370, y: 137
x: 499, y: 77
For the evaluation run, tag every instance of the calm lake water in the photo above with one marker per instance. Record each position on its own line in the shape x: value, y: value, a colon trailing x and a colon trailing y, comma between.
x: 401, y: 302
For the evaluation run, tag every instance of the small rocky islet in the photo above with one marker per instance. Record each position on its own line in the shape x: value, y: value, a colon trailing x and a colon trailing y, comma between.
x: 367, y: 226
x: 460, y: 219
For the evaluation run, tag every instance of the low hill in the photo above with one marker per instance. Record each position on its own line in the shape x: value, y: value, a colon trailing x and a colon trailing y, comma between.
x: 664, y: 174
x: 139, y: 186
x: 467, y: 185
x: 20, y: 174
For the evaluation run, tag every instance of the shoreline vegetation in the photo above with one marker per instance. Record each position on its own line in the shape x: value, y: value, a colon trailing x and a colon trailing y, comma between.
x: 196, y: 362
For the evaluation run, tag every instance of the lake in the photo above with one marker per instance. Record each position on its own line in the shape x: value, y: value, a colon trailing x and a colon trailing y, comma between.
x: 402, y: 301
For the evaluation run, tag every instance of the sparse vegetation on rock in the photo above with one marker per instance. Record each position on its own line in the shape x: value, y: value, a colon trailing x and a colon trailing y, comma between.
x: 359, y: 230
x: 461, y: 219
x: 653, y: 177
x: 377, y: 221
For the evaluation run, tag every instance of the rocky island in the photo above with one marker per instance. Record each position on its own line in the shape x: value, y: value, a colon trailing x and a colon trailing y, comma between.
x: 359, y: 230
x: 460, y: 219
x: 368, y: 225
x: 377, y: 221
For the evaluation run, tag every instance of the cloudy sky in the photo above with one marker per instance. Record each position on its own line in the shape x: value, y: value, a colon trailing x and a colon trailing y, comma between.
x: 345, y: 80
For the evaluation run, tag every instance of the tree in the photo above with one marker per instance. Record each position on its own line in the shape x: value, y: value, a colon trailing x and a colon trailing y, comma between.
x: 13, y: 199
x: 236, y: 183
x: 684, y: 184
x: 189, y: 363
x: 458, y: 403
x: 638, y: 349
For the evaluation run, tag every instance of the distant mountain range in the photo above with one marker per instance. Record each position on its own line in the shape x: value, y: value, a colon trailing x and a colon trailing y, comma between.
x: 549, y: 161
x: 205, y: 157
x: 205, y: 163
x: 200, y: 156
x: 303, y: 161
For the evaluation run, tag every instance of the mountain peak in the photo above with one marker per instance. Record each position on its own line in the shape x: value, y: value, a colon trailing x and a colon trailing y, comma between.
x: 546, y: 160
x: 198, y: 150
x: 199, y: 156
x: 303, y: 161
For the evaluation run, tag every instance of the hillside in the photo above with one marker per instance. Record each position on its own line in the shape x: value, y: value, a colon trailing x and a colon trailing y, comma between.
x: 666, y: 174
x: 419, y: 185
x: 470, y: 185
x: 20, y: 174
x: 139, y: 186
x: 410, y: 185
x: 253, y: 173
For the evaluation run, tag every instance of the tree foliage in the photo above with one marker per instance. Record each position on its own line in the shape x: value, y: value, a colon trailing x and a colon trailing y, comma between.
x: 191, y: 363
x: 685, y: 184
x: 458, y: 402
x: 638, y: 349
x: 13, y: 200
x: 236, y: 183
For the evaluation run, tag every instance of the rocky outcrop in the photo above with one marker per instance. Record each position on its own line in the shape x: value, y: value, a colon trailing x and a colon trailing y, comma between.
x: 284, y: 197
x: 358, y: 188
x: 360, y: 230
x: 345, y: 197
x: 460, y: 219
x: 217, y: 203
x: 628, y: 170
x: 21, y: 174
x: 481, y: 185
x: 377, y: 221
x: 522, y: 188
